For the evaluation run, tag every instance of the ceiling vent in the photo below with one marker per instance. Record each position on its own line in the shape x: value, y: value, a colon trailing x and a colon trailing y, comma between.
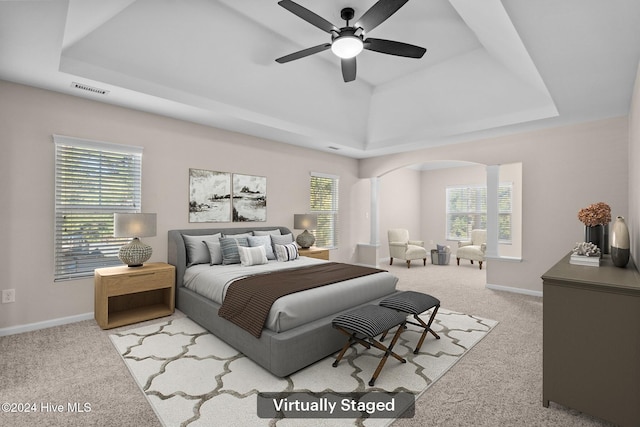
x: 89, y: 88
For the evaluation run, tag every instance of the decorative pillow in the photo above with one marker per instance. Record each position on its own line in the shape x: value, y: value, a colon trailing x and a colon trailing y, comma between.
x: 250, y: 233
x: 252, y: 256
x: 282, y: 240
x: 229, y: 246
x: 287, y: 252
x: 275, y: 232
x: 264, y: 241
x: 197, y: 251
x: 215, y: 252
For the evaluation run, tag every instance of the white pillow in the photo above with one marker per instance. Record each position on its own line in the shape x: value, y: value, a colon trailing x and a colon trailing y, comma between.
x: 287, y: 252
x: 252, y: 255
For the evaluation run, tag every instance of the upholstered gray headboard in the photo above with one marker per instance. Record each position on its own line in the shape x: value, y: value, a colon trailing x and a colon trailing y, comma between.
x: 177, y: 253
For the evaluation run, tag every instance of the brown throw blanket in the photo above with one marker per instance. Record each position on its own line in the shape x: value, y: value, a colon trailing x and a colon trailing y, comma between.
x: 248, y: 301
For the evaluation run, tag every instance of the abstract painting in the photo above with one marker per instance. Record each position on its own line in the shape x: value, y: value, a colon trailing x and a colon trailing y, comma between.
x: 209, y: 196
x: 249, y: 198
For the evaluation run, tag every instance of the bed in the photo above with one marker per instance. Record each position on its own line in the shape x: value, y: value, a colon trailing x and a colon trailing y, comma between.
x: 298, y: 331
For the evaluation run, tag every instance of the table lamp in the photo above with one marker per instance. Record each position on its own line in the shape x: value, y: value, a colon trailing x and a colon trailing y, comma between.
x: 135, y: 225
x: 304, y: 222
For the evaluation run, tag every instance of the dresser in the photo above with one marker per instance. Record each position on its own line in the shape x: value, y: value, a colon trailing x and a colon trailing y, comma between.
x: 591, y: 340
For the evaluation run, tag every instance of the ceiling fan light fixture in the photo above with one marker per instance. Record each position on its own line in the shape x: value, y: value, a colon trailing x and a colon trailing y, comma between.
x: 347, y: 46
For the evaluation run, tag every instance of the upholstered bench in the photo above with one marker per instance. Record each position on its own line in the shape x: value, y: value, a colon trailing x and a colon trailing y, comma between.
x: 414, y: 303
x: 365, y: 323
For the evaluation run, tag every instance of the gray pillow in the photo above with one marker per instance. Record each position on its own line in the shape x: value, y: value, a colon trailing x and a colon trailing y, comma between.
x: 265, y: 241
x: 215, y: 252
x: 275, y: 232
x: 197, y: 251
x: 239, y: 234
x: 229, y: 246
x: 282, y: 240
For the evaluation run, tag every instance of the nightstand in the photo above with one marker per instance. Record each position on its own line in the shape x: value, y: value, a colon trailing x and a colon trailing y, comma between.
x: 314, y: 252
x: 125, y: 295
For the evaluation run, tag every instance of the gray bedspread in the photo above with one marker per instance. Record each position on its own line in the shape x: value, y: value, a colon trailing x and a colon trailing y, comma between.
x: 295, y: 309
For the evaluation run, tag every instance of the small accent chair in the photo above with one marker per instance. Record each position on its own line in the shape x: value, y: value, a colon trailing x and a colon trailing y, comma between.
x: 401, y: 247
x: 473, y: 249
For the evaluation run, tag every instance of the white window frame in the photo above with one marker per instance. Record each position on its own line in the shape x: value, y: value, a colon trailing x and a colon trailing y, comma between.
x: 479, y: 211
x: 93, y: 180
x: 326, y: 232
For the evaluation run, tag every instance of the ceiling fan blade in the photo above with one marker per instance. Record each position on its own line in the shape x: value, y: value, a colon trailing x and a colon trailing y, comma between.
x: 348, y: 69
x: 378, y: 13
x: 391, y: 47
x: 308, y: 16
x: 304, y: 52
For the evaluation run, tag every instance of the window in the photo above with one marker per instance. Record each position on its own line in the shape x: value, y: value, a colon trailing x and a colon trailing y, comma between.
x: 467, y: 210
x: 324, y: 203
x: 93, y: 180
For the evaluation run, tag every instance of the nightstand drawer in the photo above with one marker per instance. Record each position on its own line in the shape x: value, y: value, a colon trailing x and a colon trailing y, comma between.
x: 314, y: 252
x: 138, y: 282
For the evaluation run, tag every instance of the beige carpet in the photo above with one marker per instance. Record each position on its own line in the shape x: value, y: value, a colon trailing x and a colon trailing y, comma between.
x: 497, y: 383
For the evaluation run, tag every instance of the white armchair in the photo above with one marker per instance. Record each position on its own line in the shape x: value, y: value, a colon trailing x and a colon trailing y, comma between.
x: 473, y: 249
x: 401, y: 247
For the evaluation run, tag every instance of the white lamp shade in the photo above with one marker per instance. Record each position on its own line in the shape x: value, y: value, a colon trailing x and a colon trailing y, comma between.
x: 134, y: 224
x: 347, y: 46
x: 305, y: 221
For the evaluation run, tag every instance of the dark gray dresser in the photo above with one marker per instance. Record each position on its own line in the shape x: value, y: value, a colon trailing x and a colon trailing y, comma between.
x: 591, y: 340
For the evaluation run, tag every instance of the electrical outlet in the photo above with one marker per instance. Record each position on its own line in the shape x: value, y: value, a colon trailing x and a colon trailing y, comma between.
x: 8, y: 295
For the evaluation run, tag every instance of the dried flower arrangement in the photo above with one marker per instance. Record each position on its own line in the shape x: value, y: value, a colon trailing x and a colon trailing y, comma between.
x: 595, y: 214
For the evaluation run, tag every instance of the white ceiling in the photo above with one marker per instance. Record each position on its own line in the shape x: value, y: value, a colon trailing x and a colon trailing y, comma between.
x: 492, y: 67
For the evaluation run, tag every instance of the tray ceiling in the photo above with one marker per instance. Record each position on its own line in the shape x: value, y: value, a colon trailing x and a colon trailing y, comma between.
x: 491, y: 67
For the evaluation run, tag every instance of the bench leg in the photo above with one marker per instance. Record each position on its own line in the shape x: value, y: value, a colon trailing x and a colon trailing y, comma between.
x: 387, y: 351
x: 427, y: 328
x: 384, y: 334
x: 352, y: 340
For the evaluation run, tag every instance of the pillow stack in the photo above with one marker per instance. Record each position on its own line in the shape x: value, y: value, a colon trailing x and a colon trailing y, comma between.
x: 252, y: 248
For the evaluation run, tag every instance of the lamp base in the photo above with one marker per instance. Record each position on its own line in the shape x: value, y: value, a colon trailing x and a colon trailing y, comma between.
x: 135, y: 254
x: 305, y: 239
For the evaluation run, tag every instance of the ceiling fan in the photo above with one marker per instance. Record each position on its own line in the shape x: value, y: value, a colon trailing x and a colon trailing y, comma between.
x: 347, y: 42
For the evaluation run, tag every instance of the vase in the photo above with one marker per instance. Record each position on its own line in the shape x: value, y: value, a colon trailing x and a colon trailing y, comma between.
x: 607, y: 241
x: 620, y: 245
x: 595, y: 234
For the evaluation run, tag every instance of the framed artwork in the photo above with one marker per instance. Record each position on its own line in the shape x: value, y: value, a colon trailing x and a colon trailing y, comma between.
x: 249, y: 198
x: 209, y: 196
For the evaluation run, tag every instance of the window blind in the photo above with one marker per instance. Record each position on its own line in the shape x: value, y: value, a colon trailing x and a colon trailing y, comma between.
x: 467, y: 210
x: 324, y: 203
x: 92, y: 181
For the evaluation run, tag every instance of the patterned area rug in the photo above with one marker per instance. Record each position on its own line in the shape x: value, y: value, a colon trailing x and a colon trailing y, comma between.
x: 191, y: 378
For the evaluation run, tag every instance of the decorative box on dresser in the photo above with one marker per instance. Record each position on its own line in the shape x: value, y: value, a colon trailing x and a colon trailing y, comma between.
x: 591, y: 340
x: 314, y: 252
x: 125, y: 295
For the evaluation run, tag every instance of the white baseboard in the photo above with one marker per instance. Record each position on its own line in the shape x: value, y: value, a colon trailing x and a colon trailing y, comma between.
x: 12, y: 330
x: 514, y: 290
